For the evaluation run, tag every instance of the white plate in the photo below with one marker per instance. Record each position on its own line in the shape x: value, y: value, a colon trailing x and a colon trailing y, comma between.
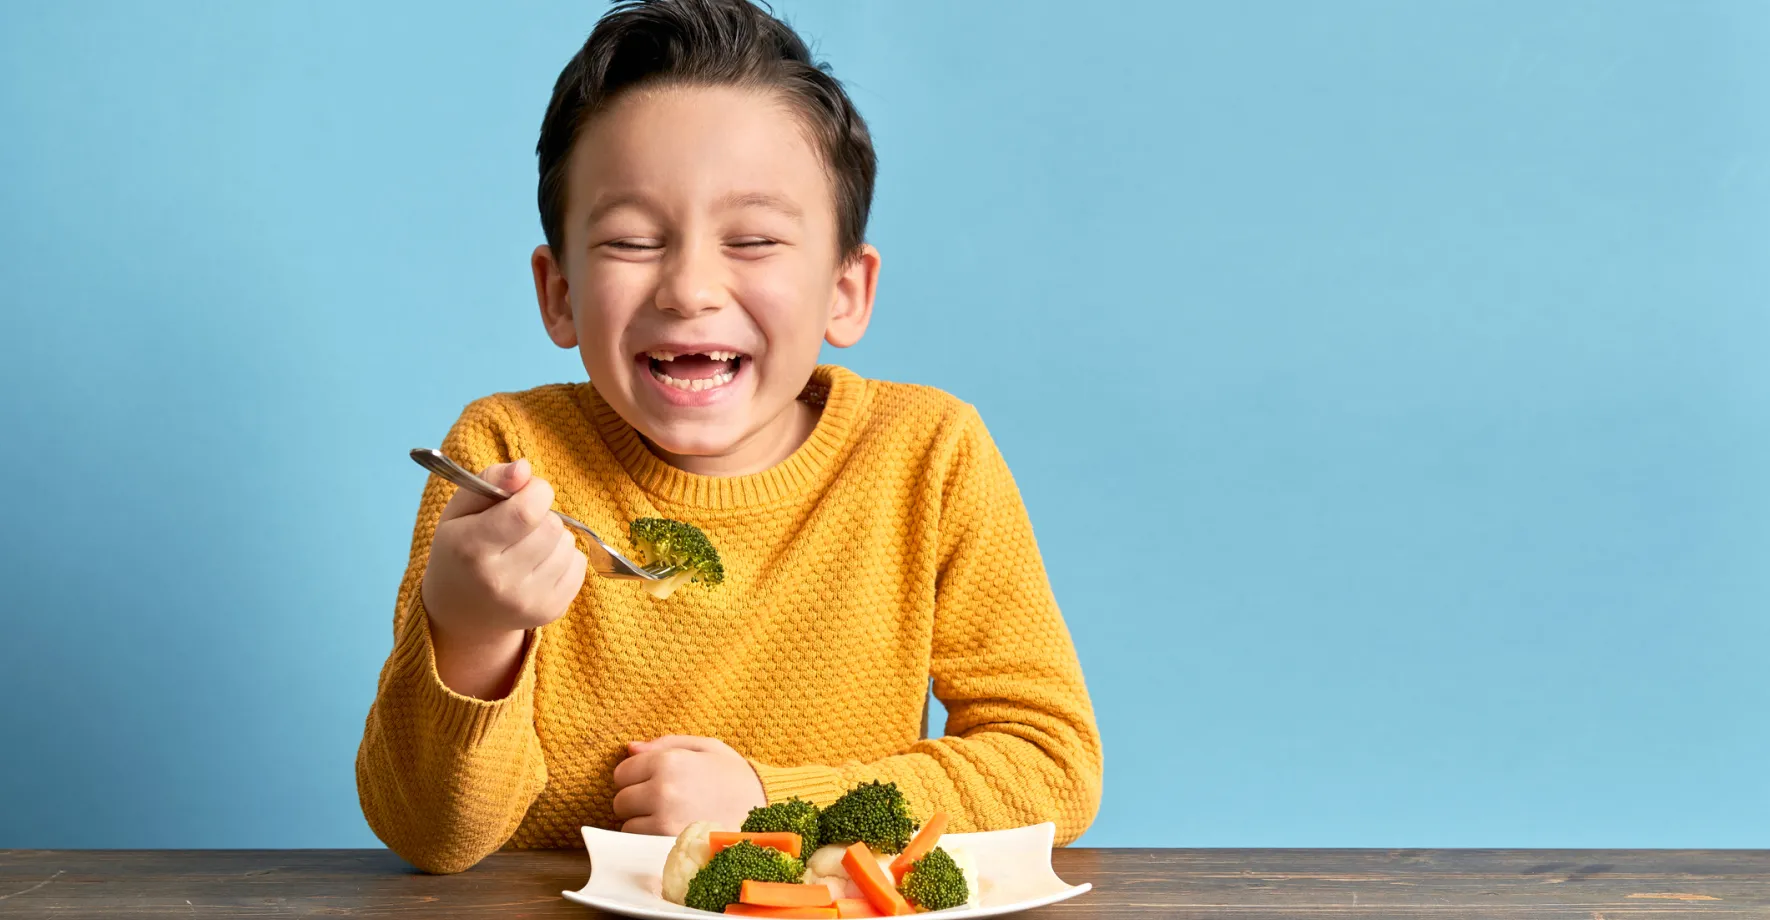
x: 1013, y: 871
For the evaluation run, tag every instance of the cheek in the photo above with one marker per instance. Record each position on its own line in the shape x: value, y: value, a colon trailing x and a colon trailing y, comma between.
x: 604, y: 302
x: 789, y: 302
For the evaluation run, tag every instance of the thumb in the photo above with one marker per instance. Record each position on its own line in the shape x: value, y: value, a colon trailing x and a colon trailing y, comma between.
x: 684, y: 743
x: 510, y: 477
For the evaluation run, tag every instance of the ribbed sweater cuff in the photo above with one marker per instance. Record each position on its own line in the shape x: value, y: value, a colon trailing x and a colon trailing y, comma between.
x: 813, y: 783
x: 457, y: 719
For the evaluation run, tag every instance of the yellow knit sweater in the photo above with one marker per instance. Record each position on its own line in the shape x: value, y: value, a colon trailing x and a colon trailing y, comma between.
x: 891, y: 547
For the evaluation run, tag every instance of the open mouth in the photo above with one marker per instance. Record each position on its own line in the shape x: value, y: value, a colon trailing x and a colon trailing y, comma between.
x: 695, y: 372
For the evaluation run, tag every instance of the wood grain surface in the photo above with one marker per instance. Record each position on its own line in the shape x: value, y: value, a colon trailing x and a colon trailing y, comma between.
x: 1167, y: 883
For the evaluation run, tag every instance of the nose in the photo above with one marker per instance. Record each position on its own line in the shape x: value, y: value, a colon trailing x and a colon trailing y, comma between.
x: 692, y: 282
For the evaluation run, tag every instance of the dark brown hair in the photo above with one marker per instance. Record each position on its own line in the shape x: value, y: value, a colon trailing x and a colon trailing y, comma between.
x: 705, y: 43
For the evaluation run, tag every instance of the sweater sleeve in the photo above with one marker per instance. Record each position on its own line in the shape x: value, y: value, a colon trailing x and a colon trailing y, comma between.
x: 445, y: 779
x: 1022, y: 746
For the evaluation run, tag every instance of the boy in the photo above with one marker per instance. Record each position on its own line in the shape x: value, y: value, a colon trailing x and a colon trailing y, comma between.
x: 704, y: 191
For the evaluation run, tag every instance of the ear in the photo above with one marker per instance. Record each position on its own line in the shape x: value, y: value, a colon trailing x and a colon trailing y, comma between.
x: 852, y: 307
x: 554, y: 297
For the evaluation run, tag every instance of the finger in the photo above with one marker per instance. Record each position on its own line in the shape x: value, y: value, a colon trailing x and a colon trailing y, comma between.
x: 649, y: 824
x: 558, y: 559
x: 547, y: 591
x: 570, y: 580
x: 686, y: 743
x: 521, y: 553
x: 634, y: 770
x: 510, y: 477
x: 510, y: 521
x: 636, y: 801
x: 529, y: 556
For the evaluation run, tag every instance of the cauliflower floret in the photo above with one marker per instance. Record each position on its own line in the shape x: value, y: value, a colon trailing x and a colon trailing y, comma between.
x: 687, y: 857
x: 827, y: 861
x: 838, y: 885
x: 825, y: 867
x: 968, y: 865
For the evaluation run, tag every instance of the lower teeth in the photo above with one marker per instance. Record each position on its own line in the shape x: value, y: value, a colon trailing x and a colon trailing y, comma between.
x: 697, y: 384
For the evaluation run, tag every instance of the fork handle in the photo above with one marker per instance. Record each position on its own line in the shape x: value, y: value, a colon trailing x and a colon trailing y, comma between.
x: 439, y: 463
x: 607, y: 561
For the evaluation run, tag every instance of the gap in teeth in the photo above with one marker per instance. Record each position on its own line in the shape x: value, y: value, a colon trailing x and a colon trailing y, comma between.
x: 711, y: 355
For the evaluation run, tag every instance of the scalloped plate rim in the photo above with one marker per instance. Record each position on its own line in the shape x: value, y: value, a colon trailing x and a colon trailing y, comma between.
x: 655, y: 908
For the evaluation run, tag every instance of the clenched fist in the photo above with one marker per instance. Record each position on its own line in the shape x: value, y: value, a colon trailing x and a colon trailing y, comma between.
x: 668, y: 783
x: 497, y: 569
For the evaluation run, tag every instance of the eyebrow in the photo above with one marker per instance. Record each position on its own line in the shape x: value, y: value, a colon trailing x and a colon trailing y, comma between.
x: 740, y: 200
x: 734, y: 201
x: 602, y: 208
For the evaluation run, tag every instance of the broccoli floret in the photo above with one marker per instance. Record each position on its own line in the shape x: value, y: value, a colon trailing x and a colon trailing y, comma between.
x: 935, y: 882
x: 794, y: 816
x: 872, y: 812
x: 721, y: 880
x: 678, y: 544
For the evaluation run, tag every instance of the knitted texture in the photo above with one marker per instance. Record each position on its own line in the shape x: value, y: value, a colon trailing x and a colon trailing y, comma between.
x: 890, y: 548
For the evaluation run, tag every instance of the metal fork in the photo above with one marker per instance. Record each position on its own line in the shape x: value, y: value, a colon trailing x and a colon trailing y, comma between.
x: 604, y: 559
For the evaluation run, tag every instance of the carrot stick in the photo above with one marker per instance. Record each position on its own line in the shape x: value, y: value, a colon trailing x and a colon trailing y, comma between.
x: 920, y: 845
x: 785, y: 841
x: 785, y: 894
x: 855, y: 909
x: 864, y: 869
x: 735, y: 909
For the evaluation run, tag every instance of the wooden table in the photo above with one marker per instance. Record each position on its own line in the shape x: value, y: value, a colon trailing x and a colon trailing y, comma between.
x: 1131, y: 884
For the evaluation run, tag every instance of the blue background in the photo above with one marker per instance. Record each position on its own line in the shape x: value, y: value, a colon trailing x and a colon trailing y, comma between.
x: 1408, y: 361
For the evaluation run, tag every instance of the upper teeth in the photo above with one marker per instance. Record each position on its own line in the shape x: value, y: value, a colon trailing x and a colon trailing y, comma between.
x: 713, y: 355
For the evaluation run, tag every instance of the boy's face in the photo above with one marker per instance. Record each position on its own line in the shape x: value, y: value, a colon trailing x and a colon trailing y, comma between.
x: 700, y: 270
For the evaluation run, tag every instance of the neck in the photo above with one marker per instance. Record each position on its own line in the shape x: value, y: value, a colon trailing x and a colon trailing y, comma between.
x: 762, y: 450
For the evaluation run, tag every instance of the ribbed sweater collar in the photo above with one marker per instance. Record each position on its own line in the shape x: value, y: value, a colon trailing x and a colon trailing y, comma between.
x: 843, y: 395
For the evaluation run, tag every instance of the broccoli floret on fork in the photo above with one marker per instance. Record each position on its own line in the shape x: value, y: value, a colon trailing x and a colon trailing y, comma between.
x: 681, y: 546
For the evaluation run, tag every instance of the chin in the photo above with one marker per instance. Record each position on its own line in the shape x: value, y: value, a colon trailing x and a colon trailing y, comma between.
x: 694, y: 440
